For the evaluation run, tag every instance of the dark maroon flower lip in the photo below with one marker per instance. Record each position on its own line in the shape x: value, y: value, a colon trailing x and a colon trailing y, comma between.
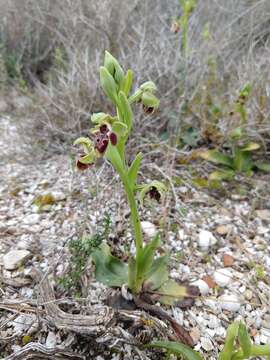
x: 102, y: 138
x: 148, y: 109
x: 154, y: 194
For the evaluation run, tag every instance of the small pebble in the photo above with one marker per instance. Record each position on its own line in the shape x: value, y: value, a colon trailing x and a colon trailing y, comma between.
x: 15, y: 258
x: 223, y: 277
x: 230, y: 302
x: 148, y: 228
x: 206, y: 239
x: 202, y: 285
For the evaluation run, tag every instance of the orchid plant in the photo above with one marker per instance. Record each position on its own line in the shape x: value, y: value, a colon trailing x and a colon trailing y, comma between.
x: 144, y: 272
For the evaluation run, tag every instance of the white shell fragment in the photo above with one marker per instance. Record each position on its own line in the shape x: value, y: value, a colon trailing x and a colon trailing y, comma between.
x: 206, y: 239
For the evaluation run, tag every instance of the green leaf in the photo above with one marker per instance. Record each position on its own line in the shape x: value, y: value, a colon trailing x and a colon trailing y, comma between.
x: 133, y: 170
x: 114, y: 157
x: 150, y: 100
x: 263, y: 166
x: 158, y: 273
x: 145, y: 258
x: 128, y: 82
x: 191, y: 136
x: 229, y: 347
x: 171, y: 292
x: 244, y: 340
x: 250, y: 147
x: 177, y: 348
x: 108, y: 84
x: 242, y: 160
x: 217, y: 158
x: 109, y: 270
x: 222, y: 175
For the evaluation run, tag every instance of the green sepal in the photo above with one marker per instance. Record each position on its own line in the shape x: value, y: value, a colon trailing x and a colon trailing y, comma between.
x: 109, y: 270
x: 150, y: 100
x: 128, y: 82
x: 133, y: 170
x: 85, y: 142
x: 144, y: 189
x: 101, y: 118
x: 89, y: 158
x: 217, y: 158
x: 177, y: 348
x: 236, y: 133
x: 149, y: 86
x: 108, y: 84
x: 171, y: 292
x: 229, y: 347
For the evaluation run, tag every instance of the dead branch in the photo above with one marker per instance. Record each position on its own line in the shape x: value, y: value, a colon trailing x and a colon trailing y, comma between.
x: 37, y: 351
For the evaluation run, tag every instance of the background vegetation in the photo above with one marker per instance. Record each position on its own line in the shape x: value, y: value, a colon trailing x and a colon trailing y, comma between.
x: 50, y: 49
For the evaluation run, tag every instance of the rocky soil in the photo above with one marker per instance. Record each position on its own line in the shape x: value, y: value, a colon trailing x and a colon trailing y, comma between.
x: 218, y: 241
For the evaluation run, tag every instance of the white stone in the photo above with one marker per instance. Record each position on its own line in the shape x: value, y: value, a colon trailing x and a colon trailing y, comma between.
x: 51, y: 340
x: 15, y: 258
x: 230, y: 302
x: 206, y: 239
x: 223, y: 277
x: 202, y: 285
x: 58, y: 195
x: 148, y: 228
x: 31, y: 219
x: 23, y: 323
x: 207, y: 344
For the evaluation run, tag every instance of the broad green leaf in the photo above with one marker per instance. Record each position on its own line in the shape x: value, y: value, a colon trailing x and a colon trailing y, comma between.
x: 244, y: 340
x: 178, y: 349
x: 171, y: 292
x: 128, y: 82
x: 229, y: 348
x: 221, y: 175
x: 250, y: 147
x: 109, y: 270
x: 242, y: 160
x: 133, y: 170
x: 158, y: 273
x: 145, y: 258
x: 263, y: 166
x: 126, y: 110
x: 217, y: 158
x: 108, y: 84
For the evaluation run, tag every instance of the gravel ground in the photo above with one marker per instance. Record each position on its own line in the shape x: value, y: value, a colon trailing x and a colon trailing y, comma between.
x: 221, y: 243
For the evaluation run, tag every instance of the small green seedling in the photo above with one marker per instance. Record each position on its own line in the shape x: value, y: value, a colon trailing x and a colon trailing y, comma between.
x: 144, y: 272
x: 239, y: 160
x: 238, y: 346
